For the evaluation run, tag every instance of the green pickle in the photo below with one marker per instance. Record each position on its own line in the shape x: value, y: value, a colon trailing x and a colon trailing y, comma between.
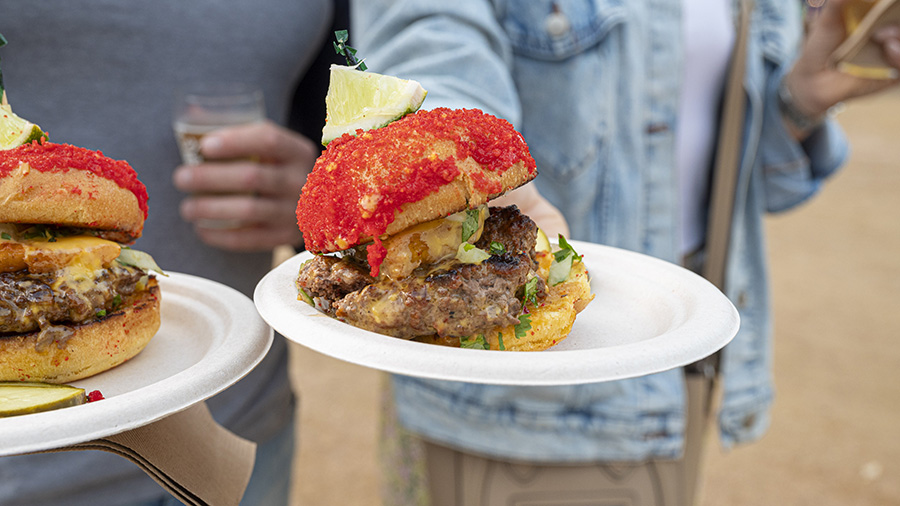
x: 22, y: 398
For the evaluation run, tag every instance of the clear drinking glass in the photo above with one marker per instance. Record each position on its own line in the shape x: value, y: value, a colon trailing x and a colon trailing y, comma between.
x: 204, y: 107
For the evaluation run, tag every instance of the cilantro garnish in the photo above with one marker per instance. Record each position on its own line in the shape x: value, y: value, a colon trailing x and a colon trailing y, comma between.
x: 529, y: 292
x: 561, y: 266
x: 117, y: 301
x: 341, y: 48
x: 100, y: 314
x: 6, y: 236
x: 500, y: 339
x: 496, y: 248
x: 2, y: 89
x: 470, y: 225
x: 39, y: 232
x: 523, y: 326
x: 474, y: 342
x: 566, y: 250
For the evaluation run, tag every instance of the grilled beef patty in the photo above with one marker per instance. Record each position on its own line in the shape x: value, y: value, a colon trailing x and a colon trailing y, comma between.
x: 332, y: 278
x: 451, y: 299
x: 28, y: 300
x: 457, y: 299
x: 508, y: 226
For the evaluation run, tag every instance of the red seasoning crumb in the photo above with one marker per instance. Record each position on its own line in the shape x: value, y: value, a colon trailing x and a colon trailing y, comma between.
x: 50, y: 157
x: 337, y: 206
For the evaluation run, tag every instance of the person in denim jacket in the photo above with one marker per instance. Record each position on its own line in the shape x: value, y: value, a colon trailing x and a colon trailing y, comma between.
x: 595, y: 87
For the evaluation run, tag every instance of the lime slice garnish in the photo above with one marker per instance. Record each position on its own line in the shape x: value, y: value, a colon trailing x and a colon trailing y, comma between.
x: 15, y: 131
x: 23, y: 398
x: 366, y: 100
x: 542, y: 243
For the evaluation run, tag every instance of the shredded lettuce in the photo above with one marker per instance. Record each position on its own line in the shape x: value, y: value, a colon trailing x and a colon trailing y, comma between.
x: 138, y: 259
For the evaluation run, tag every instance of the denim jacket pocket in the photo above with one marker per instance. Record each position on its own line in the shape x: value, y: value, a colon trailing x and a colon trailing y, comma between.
x: 558, y: 29
x: 558, y: 43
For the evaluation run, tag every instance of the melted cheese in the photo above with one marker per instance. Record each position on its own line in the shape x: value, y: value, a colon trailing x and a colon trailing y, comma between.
x: 427, y: 243
x: 41, y: 255
x: 80, y: 253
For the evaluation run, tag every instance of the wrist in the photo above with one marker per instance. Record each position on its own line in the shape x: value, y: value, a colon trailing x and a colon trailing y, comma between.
x: 801, y: 117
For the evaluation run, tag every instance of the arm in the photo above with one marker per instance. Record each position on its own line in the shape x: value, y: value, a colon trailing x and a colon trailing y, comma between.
x: 457, y: 50
x: 814, y: 84
x: 460, y: 54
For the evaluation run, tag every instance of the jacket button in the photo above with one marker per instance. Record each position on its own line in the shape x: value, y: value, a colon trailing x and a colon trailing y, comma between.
x: 742, y: 300
x: 557, y: 24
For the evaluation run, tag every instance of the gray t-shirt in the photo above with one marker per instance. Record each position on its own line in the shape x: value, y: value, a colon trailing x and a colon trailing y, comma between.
x: 101, y: 74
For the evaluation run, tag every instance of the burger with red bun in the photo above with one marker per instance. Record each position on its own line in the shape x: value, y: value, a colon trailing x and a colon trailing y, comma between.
x: 408, y: 246
x: 74, y: 301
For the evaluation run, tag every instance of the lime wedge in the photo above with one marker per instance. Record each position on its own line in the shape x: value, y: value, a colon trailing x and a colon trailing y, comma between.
x: 15, y: 131
x: 366, y: 100
x: 19, y: 398
x: 542, y: 243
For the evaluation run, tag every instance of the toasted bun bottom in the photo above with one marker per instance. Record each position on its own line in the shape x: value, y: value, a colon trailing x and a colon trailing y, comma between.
x: 95, y: 347
x: 74, y: 198
x: 551, y: 322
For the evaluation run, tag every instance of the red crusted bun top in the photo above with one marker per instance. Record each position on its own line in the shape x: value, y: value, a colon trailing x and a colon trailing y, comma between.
x: 359, y: 184
x: 51, y: 157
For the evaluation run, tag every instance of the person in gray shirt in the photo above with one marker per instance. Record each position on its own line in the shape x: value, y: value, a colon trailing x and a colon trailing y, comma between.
x: 101, y: 74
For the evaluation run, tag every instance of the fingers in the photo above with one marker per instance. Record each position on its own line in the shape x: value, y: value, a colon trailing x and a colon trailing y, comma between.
x: 263, y: 140
x: 243, y: 209
x: 241, y: 177
x: 889, y: 38
x: 258, y: 238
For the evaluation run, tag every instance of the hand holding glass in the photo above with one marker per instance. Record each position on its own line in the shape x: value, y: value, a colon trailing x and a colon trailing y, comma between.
x: 203, y: 108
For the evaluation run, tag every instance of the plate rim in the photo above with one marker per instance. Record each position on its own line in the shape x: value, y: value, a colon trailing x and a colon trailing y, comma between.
x: 531, y: 362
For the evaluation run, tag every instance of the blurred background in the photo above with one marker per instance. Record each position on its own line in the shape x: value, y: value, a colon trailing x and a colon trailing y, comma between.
x: 836, y: 288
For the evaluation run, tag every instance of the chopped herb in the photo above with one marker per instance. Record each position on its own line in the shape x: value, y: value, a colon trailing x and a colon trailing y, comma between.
x: 561, y: 266
x: 6, y: 236
x: 341, y: 48
x: 100, y: 314
x: 474, y: 342
x: 496, y: 248
x: 529, y: 292
x: 117, y: 301
x: 37, y: 232
x: 470, y: 225
x: 2, y: 43
x: 500, y: 340
x: 523, y: 326
x: 565, y: 249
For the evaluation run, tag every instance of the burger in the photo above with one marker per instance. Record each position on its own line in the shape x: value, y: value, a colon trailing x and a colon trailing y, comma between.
x: 407, y: 244
x: 74, y: 300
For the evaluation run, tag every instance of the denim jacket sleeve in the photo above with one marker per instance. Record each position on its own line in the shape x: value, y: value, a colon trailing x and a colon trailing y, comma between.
x: 794, y: 171
x: 457, y: 50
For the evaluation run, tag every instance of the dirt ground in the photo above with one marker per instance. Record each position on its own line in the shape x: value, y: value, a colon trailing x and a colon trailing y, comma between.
x: 836, y: 287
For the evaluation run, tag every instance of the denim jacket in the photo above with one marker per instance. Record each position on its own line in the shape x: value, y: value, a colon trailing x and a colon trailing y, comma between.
x: 593, y: 87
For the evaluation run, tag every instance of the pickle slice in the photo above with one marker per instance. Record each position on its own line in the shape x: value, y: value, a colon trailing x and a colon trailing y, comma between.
x: 21, y: 398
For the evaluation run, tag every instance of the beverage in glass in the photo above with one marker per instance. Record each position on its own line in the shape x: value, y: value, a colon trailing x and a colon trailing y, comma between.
x: 203, y: 108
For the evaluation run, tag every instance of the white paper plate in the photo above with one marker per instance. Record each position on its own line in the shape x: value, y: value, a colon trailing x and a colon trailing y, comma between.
x: 648, y: 316
x: 209, y: 338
